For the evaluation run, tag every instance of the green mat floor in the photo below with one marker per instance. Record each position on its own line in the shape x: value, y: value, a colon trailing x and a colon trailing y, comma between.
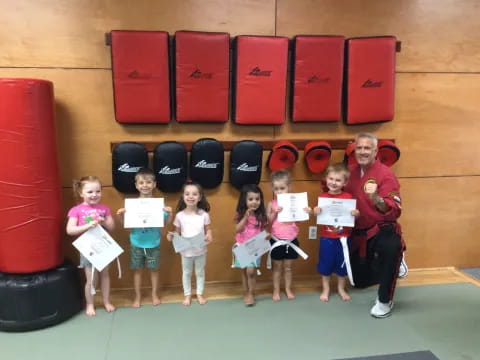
x: 444, y: 319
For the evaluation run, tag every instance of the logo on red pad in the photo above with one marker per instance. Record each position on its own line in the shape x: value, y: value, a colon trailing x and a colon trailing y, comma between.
x: 318, y: 80
x: 198, y: 74
x: 372, y: 84
x: 256, y: 71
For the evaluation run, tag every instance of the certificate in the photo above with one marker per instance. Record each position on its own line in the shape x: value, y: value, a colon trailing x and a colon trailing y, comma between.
x: 181, y: 243
x: 293, y: 207
x: 98, y: 247
x: 249, y: 251
x: 144, y: 212
x: 336, y: 212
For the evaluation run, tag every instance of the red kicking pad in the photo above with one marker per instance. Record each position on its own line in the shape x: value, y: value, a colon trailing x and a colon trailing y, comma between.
x: 202, y: 71
x: 317, y: 78
x: 141, y: 82
x: 260, y: 79
x: 370, y: 72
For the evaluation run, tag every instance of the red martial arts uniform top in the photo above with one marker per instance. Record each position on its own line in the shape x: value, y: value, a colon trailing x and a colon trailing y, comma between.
x: 388, y: 189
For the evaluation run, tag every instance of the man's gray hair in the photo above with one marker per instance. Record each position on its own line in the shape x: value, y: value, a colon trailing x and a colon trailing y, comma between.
x: 368, y: 136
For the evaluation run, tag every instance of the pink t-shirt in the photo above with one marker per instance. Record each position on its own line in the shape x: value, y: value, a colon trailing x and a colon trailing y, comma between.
x: 251, y: 229
x: 191, y: 225
x: 283, y: 230
x: 86, y: 213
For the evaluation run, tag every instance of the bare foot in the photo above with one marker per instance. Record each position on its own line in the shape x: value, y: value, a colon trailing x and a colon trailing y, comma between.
x: 187, y: 300
x: 201, y: 299
x: 155, y: 300
x: 136, y: 303
x: 324, y: 296
x: 249, y: 300
x: 90, y: 310
x: 276, y: 297
x: 290, y: 295
x: 109, y: 307
x: 344, y: 295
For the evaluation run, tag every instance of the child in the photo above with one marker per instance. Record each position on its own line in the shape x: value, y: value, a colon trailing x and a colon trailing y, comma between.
x: 283, y: 255
x: 251, y: 219
x: 83, y: 217
x: 191, y: 219
x: 145, y: 242
x: 331, y: 258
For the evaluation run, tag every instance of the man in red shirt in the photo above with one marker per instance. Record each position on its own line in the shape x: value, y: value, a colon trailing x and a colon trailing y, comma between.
x: 377, y: 243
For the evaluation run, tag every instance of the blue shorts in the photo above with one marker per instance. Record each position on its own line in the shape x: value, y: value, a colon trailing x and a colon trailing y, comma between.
x: 330, y: 257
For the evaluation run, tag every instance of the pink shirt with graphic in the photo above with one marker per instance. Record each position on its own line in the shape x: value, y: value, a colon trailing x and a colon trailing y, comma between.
x: 283, y: 230
x: 251, y: 229
x: 84, y: 212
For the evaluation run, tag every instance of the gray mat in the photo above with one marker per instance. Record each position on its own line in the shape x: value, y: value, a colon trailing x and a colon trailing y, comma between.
x: 417, y: 355
x: 444, y: 319
x: 475, y: 272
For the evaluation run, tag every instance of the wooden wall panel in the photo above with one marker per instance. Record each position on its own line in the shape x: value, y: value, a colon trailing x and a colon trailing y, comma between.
x: 440, y: 221
x: 437, y: 36
x: 52, y: 33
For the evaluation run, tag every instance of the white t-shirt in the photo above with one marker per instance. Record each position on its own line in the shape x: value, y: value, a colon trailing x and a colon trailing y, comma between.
x: 191, y: 225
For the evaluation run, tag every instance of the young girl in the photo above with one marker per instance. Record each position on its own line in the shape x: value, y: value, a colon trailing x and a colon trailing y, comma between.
x: 191, y: 219
x: 283, y: 255
x: 88, y: 214
x: 331, y: 259
x: 251, y: 219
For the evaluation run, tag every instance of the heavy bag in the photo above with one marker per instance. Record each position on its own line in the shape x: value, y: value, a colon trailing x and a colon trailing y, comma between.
x: 141, y: 83
x: 127, y: 158
x: 170, y: 166
x: 202, y: 74
x: 30, y: 203
x: 206, y: 162
x: 246, y: 163
x: 317, y: 78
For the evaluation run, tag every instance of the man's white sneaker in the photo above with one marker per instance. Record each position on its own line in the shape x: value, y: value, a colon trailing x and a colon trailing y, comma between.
x: 403, y: 269
x: 381, y: 310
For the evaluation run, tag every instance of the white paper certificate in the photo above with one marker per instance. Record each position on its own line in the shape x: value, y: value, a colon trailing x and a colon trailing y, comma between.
x: 144, y: 212
x: 98, y: 247
x: 336, y: 212
x: 248, y: 252
x: 293, y: 207
x: 181, y: 243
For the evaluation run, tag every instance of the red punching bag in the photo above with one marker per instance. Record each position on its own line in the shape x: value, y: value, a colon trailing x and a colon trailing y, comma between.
x: 30, y: 204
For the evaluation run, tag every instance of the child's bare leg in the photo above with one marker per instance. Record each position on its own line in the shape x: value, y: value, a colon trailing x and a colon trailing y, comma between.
x: 245, y: 285
x: 342, y: 283
x: 287, y: 266
x: 137, y: 286
x: 277, y: 273
x: 252, y: 282
x: 154, y: 277
x: 325, y: 288
x: 90, y: 307
x: 105, y: 286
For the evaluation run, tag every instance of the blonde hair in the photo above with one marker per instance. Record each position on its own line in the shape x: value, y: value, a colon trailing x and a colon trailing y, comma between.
x: 80, y: 183
x: 281, y: 175
x: 338, y: 168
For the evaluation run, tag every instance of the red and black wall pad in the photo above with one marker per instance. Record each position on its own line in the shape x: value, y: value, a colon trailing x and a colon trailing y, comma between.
x: 369, y: 87
x: 284, y: 155
x: 202, y: 74
x: 317, y: 75
x: 259, y: 77
x: 141, y: 83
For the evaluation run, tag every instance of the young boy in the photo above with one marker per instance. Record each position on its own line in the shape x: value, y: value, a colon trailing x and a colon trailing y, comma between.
x: 331, y: 258
x: 145, y: 242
